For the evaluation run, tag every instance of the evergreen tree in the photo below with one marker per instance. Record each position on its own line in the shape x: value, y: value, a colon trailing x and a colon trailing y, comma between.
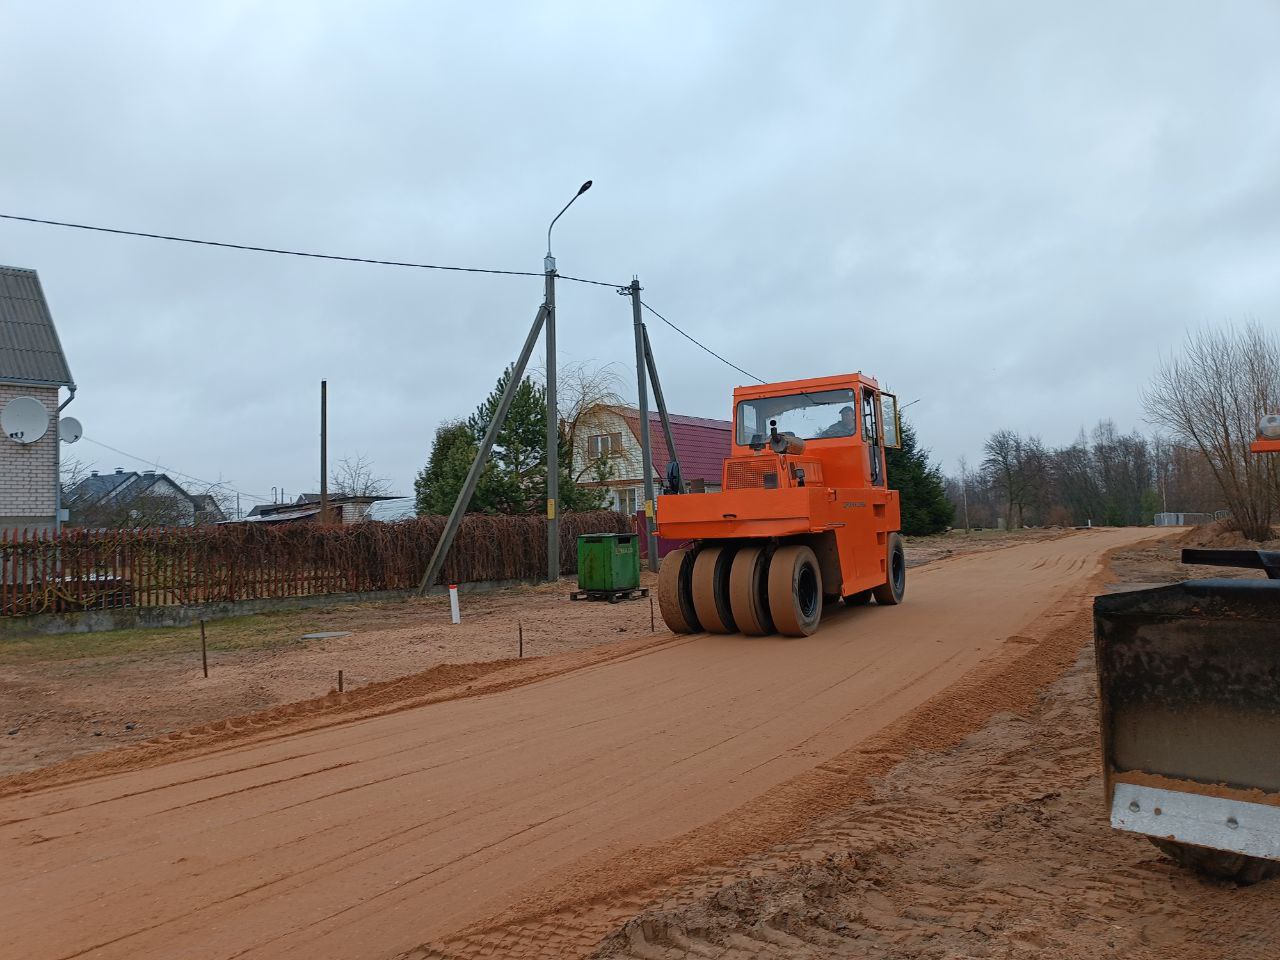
x: 514, y: 479
x: 519, y: 450
x: 925, y: 507
x: 438, y: 483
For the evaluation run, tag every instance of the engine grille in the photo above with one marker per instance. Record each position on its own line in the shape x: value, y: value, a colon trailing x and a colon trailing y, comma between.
x: 762, y: 472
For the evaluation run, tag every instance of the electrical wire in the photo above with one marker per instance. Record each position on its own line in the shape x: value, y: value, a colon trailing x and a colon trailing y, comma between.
x: 253, y: 248
x: 699, y: 343
x: 289, y: 253
x: 176, y: 473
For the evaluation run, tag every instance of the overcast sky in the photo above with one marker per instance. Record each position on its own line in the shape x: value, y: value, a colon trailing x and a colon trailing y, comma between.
x: 1003, y: 210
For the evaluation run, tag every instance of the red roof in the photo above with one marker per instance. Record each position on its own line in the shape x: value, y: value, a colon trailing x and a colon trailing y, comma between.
x: 702, y: 444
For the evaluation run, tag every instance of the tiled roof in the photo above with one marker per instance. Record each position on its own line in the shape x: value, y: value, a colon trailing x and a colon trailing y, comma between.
x: 95, y: 488
x: 701, y: 443
x: 29, y: 346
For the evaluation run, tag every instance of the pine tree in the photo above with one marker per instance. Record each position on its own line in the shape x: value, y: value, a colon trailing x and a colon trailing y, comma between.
x: 925, y: 507
x: 514, y: 479
x: 438, y: 483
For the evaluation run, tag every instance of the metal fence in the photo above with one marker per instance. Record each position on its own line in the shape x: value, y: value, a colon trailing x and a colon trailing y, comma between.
x: 1183, y: 519
x: 103, y: 569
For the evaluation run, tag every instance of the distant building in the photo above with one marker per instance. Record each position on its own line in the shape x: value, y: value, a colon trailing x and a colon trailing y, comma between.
x: 32, y: 364
x: 612, y: 434
x: 306, y: 509
x: 132, y: 499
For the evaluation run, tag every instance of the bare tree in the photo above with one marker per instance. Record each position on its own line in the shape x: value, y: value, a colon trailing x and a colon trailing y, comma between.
x: 1211, y: 397
x: 218, y: 495
x: 353, y: 477
x: 144, y: 510
x: 1008, y: 463
x: 70, y: 472
x: 585, y: 391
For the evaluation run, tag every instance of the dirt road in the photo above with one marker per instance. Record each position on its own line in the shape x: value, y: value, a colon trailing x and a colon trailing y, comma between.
x: 518, y: 821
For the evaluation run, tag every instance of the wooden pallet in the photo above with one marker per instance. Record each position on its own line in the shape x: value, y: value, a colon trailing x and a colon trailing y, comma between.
x: 613, y: 596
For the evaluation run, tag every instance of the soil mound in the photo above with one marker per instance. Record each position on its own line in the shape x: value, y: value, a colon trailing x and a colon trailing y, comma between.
x: 1223, y: 535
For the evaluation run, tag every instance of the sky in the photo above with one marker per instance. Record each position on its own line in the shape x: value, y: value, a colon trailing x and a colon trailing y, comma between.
x: 1004, y: 211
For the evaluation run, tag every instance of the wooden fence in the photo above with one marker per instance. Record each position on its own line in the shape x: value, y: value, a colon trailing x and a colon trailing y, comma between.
x: 102, y: 569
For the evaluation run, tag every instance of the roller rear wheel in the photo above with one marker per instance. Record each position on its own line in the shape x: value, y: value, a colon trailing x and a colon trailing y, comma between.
x: 675, y: 593
x: 711, y: 589
x: 795, y: 591
x: 749, y: 591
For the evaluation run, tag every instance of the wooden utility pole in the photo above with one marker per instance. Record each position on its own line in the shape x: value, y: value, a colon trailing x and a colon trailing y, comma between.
x: 324, y: 451
x: 646, y: 447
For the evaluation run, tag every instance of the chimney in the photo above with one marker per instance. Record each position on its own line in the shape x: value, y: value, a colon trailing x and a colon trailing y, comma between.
x: 148, y: 473
x: 119, y: 469
x: 93, y: 473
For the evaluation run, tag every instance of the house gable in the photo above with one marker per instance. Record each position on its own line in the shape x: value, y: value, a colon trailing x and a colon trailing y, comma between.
x: 30, y: 351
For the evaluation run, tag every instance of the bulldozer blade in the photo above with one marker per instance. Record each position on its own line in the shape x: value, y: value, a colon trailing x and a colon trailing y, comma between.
x: 1189, y: 694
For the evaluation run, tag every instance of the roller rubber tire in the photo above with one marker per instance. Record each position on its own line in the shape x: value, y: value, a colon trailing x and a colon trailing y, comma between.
x: 795, y: 591
x: 1222, y: 864
x: 710, y: 584
x: 749, y: 591
x: 675, y: 598
x: 892, y: 591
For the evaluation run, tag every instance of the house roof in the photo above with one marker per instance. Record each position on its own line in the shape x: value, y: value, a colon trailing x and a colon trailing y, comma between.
x: 29, y: 347
x: 702, y: 444
x: 124, y: 486
x: 99, y: 486
x: 280, y: 516
x: 345, y: 498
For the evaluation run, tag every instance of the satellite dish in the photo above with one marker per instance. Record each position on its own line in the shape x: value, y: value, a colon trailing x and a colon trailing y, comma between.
x: 24, y: 420
x: 69, y: 430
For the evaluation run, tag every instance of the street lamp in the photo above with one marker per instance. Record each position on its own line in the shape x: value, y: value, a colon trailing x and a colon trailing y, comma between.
x: 550, y: 264
x: 553, y: 415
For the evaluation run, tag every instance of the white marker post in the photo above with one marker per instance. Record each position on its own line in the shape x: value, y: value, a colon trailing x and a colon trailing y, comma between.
x: 453, y: 603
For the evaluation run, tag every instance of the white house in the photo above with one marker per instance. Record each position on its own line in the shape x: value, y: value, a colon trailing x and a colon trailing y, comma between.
x: 611, y: 434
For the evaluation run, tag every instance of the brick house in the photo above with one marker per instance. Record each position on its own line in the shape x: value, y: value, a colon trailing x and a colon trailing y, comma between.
x: 612, y: 433
x: 32, y: 364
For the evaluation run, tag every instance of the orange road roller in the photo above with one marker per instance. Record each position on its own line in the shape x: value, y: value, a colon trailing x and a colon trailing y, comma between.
x: 804, y: 516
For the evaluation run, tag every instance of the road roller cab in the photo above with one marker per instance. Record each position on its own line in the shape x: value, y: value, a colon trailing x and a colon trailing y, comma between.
x: 804, y: 516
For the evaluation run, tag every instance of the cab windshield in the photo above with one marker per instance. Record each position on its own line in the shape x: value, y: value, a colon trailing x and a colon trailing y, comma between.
x: 814, y: 415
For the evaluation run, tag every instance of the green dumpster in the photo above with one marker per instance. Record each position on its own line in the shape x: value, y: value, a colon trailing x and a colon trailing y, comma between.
x: 608, y: 561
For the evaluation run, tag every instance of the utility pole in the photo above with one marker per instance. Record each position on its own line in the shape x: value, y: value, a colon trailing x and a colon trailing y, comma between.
x: 553, y: 411
x: 553, y: 422
x: 324, y: 451
x: 646, y: 446
x: 964, y: 491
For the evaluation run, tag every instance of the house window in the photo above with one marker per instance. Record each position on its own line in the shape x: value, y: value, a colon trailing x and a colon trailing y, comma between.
x: 603, y: 445
x: 628, y: 500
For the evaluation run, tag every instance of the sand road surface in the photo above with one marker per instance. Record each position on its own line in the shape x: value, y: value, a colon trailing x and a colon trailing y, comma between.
x: 449, y: 827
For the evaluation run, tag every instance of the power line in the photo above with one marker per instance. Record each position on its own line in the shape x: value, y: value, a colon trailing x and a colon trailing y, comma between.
x: 699, y: 343
x: 287, y: 253
x: 253, y: 248
x: 176, y: 473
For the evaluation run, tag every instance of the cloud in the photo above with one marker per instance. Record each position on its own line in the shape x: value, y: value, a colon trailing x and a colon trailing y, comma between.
x: 1003, y: 210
